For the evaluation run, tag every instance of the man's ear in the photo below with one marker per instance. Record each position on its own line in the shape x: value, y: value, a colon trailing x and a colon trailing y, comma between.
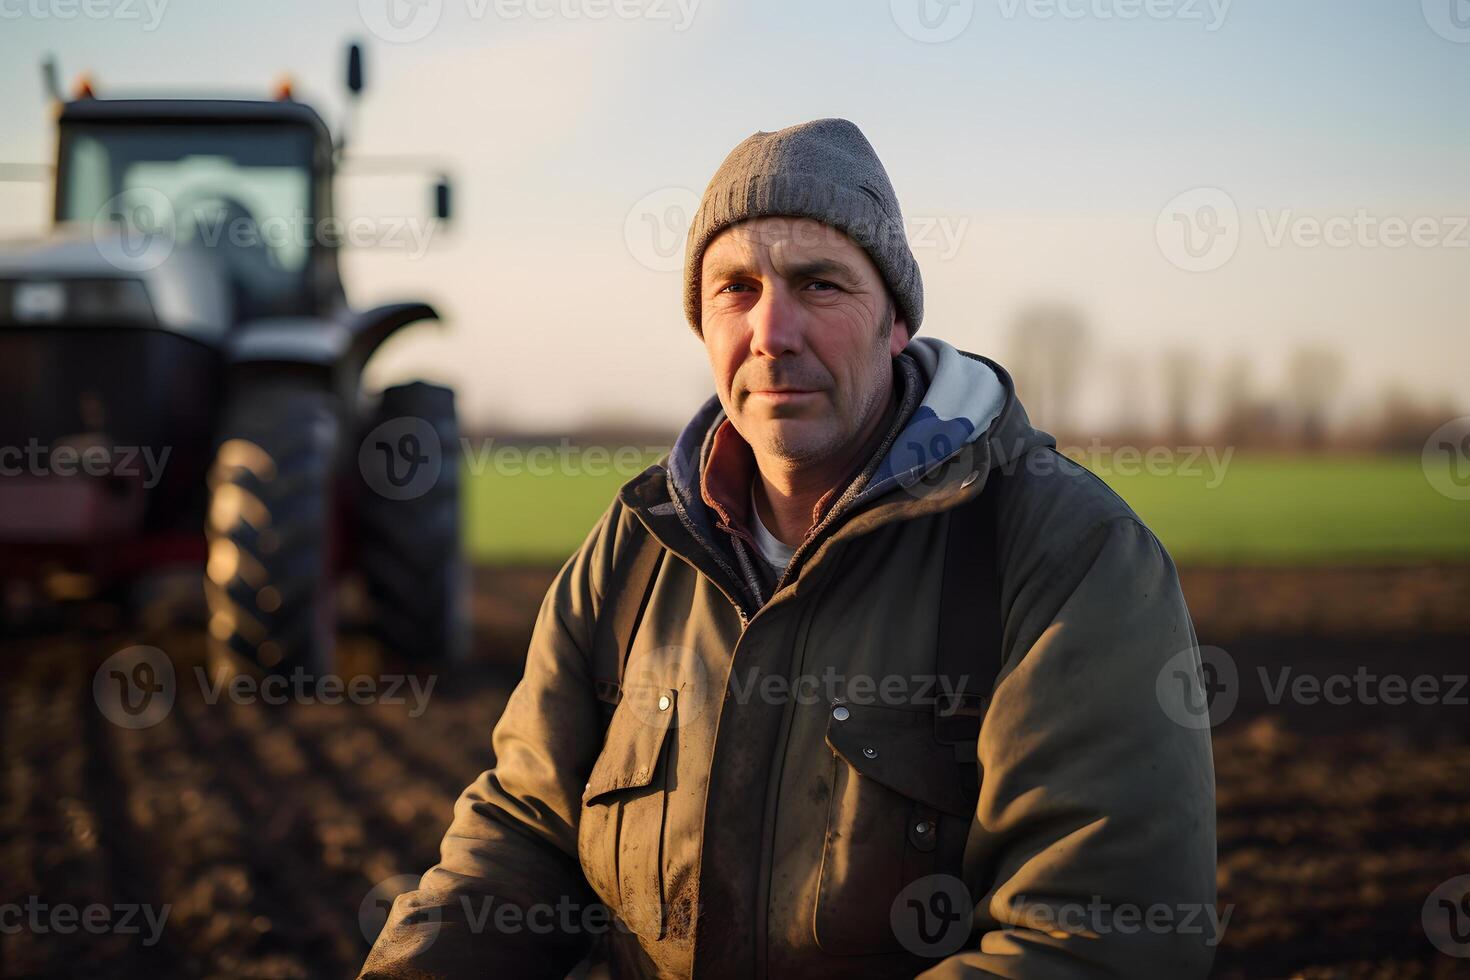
x: 898, y: 338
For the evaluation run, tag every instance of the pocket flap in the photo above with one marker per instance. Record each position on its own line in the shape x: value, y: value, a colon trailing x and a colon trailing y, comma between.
x: 634, y: 743
x: 898, y: 748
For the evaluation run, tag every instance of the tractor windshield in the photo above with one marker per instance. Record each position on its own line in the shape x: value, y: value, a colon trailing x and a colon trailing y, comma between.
x: 242, y: 192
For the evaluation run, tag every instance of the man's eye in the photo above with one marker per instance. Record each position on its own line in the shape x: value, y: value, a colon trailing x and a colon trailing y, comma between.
x: 734, y: 285
x: 823, y: 283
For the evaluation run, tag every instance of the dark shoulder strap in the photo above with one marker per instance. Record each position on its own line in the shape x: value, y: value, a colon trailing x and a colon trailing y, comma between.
x: 623, y: 602
x: 969, y: 642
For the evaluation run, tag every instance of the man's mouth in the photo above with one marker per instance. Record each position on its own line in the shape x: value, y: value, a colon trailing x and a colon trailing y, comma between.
x: 782, y: 396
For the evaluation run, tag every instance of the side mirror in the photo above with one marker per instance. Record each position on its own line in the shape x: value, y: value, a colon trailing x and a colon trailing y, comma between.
x: 354, y: 69
x: 441, y: 198
x: 50, y: 79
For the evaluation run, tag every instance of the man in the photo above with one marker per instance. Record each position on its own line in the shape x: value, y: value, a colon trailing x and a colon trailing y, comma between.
x: 862, y: 679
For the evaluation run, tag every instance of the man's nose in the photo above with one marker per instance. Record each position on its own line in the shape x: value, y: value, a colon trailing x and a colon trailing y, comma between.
x: 777, y: 323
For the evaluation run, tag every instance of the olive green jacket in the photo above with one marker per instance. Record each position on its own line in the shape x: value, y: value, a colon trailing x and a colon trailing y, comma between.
x: 769, y: 798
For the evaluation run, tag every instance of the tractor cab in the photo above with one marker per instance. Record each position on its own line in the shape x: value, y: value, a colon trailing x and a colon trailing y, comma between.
x: 248, y: 181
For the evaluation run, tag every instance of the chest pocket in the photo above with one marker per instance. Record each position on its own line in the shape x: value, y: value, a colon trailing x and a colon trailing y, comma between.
x: 620, y: 836
x: 901, y: 808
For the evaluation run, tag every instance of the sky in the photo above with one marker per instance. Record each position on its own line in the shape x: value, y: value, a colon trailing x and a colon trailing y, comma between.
x: 1239, y: 178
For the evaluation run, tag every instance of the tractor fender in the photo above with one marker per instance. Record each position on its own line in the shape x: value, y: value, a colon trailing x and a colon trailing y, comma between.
x: 324, y: 342
x: 369, y: 328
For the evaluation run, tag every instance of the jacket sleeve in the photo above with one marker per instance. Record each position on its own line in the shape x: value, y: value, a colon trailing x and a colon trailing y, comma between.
x: 508, y: 878
x: 1096, y: 820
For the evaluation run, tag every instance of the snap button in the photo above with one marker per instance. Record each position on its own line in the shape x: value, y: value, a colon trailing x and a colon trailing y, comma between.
x: 870, y: 752
x: 840, y: 712
x: 921, y: 828
x: 663, y: 702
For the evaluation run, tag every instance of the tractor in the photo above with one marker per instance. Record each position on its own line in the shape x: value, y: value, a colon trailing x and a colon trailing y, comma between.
x: 181, y: 381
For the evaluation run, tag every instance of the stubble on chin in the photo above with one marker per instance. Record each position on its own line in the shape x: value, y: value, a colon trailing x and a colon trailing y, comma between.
x: 783, y: 441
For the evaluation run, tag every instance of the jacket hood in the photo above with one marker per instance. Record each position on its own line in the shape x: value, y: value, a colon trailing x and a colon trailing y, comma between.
x: 968, y: 405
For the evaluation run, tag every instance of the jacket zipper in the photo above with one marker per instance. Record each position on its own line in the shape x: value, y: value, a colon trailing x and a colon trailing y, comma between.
x: 708, y: 549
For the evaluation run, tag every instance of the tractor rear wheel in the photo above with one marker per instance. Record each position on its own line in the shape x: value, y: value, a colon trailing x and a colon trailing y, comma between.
x: 269, y: 581
x: 408, y: 511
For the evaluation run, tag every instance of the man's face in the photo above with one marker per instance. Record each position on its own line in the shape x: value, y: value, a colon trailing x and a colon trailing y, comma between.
x: 801, y: 336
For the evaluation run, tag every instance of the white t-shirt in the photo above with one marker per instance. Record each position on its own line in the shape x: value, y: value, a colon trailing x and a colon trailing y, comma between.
x: 776, y: 554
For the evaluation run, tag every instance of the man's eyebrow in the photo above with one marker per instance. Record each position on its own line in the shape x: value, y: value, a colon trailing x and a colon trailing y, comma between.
x: 816, y: 268
x: 820, y: 268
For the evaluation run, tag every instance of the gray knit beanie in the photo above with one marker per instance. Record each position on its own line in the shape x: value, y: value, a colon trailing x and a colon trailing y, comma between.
x: 824, y: 169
